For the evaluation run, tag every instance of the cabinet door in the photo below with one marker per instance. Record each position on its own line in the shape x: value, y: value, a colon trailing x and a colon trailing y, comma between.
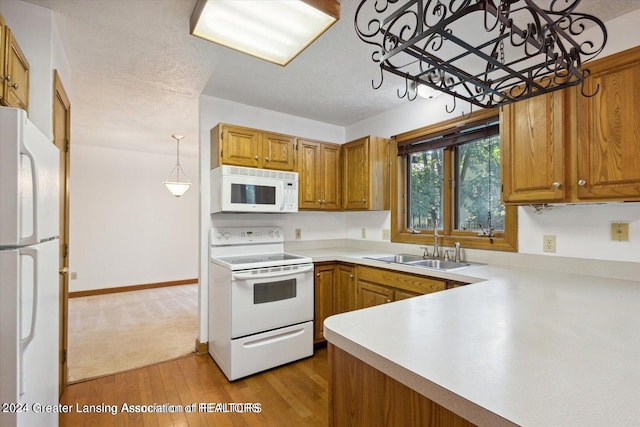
x: 323, y: 293
x: 370, y: 294
x: 278, y: 152
x: 532, y: 150
x: 330, y: 166
x: 2, y: 59
x: 344, y: 294
x: 309, y: 180
x: 356, y: 174
x: 16, y: 92
x: 240, y: 146
x: 608, y: 143
x: 401, y: 294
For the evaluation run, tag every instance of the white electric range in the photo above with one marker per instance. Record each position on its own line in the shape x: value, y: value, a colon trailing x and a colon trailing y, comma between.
x: 260, y: 301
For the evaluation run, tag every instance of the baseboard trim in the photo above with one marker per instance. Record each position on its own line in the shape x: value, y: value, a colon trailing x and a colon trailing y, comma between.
x: 201, y: 347
x: 93, y: 292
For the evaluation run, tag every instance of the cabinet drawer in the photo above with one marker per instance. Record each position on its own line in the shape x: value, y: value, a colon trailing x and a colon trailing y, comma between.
x: 407, y: 282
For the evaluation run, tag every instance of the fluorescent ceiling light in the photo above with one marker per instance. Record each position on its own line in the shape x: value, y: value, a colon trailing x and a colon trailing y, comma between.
x: 273, y: 30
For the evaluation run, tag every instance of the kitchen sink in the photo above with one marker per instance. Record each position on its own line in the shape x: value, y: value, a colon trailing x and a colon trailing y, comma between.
x: 419, y: 261
x: 399, y: 258
x: 438, y: 264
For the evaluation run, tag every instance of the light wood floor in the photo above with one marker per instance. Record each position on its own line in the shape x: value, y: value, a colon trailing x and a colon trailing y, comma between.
x: 292, y: 395
x: 120, y: 331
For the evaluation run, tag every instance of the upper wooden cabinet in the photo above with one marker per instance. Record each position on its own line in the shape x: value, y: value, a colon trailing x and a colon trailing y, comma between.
x: 241, y: 146
x: 14, y: 71
x: 608, y: 144
x: 3, y: 30
x: 319, y: 175
x: 365, y: 174
x: 566, y: 147
x: 533, y: 162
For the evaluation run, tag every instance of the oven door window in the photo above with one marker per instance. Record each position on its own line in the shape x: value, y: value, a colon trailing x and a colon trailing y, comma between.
x: 251, y: 194
x: 274, y: 291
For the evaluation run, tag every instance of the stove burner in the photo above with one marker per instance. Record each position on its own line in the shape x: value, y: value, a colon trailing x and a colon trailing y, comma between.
x: 251, y: 259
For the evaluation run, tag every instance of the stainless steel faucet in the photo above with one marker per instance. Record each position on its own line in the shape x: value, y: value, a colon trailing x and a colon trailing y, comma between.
x: 457, y: 252
x: 436, y: 249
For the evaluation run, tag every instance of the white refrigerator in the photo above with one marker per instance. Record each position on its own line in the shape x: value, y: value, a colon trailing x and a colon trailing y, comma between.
x: 29, y: 287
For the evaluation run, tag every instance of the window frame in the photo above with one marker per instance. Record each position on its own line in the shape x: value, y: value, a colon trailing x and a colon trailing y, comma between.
x: 501, y: 241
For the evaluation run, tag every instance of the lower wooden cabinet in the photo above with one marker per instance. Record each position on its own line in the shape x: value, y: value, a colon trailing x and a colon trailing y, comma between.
x: 341, y: 287
x: 361, y: 395
x: 377, y: 286
x: 334, y: 291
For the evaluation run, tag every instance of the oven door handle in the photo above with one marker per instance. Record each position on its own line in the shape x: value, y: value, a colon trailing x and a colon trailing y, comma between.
x: 249, y: 276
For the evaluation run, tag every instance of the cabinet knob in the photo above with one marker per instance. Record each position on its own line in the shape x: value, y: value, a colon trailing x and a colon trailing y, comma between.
x: 8, y: 78
x: 63, y: 271
x: 364, y: 200
x: 388, y: 300
x: 324, y: 201
x: 317, y: 274
x: 320, y: 201
x: 256, y: 157
x: 15, y: 86
x: 1, y: 77
x: 556, y: 184
x: 351, y: 276
x: 266, y: 158
x: 582, y: 182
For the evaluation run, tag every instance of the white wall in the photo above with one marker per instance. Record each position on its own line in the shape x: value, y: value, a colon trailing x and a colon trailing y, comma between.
x: 126, y: 228
x: 37, y: 35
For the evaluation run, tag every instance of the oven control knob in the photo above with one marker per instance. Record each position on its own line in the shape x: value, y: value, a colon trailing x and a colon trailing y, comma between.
x: 218, y: 235
x: 226, y: 236
x: 274, y: 233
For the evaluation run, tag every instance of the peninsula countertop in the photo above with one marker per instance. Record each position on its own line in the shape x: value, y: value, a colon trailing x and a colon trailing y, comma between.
x: 521, y: 346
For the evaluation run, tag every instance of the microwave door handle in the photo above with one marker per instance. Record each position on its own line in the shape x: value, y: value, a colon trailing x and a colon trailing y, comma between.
x: 282, y: 192
x: 250, y: 276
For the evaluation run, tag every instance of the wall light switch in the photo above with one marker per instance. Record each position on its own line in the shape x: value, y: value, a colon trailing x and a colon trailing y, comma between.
x: 620, y: 231
x: 73, y: 275
x: 386, y: 234
x: 298, y: 233
x: 363, y: 233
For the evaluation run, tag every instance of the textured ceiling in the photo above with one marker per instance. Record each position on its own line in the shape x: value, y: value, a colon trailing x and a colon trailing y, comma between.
x: 137, y: 73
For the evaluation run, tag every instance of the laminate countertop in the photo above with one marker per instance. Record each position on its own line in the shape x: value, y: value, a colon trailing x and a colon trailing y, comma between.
x: 520, y: 346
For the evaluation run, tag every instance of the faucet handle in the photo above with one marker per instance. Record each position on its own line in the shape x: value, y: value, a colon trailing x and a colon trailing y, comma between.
x: 426, y: 251
x: 447, y: 255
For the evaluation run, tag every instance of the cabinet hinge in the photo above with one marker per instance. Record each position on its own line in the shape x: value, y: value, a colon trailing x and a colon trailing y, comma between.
x: 65, y: 250
x: 66, y: 146
x: 221, y: 153
x: 64, y: 356
x: 502, y: 188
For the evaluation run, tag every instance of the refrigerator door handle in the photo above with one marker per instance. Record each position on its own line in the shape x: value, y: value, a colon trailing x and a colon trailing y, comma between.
x: 36, y: 193
x: 33, y: 253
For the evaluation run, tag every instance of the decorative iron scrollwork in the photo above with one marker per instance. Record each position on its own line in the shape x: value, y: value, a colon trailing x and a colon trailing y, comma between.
x: 487, y: 52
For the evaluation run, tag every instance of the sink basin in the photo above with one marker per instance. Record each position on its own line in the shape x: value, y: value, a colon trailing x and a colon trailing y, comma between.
x: 438, y: 264
x: 418, y: 261
x: 399, y: 258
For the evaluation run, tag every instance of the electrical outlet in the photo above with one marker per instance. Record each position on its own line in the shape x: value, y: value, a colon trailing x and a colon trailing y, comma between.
x: 298, y: 233
x: 73, y: 275
x: 549, y: 243
x: 363, y: 233
x: 620, y: 231
x: 386, y: 234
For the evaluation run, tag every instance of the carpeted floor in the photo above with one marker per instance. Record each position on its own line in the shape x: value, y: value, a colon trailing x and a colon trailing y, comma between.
x: 121, y: 331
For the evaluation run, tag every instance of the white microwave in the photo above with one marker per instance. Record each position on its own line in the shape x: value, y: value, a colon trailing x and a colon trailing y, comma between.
x: 240, y: 189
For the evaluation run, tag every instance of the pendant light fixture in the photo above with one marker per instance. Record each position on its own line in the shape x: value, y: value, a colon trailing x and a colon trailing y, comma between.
x: 175, y: 183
